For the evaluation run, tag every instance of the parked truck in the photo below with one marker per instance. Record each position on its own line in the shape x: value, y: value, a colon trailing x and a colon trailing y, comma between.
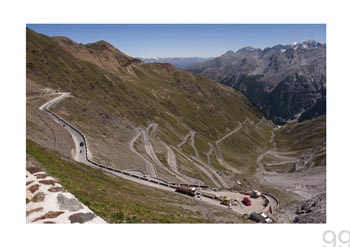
x: 226, y: 201
x: 191, y: 191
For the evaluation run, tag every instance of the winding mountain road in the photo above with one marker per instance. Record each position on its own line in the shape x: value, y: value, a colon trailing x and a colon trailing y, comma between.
x: 205, y: 169
x: 184, y: 140
x: 215, y: 147
x: 193, y: 134
x: 231, y: 133
x: 171, y: 159
x: 149, y: 166
x: 82, y: 153
x: 210, y: 151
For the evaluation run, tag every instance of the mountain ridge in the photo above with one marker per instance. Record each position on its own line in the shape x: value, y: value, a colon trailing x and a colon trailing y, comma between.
x: 178, y: 62
x: 296, y: 73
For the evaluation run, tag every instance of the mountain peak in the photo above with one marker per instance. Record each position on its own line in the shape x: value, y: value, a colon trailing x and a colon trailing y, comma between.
x: 101, y: 45
x: 246, y: 49
x: 228, y: 53
x: 312, y: 43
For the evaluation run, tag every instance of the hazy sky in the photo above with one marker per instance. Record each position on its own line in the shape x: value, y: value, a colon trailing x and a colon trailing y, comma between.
x: 181, y: 40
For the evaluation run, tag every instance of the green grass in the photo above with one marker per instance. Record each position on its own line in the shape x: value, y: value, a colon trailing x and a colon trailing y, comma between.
x: 304, y: 135
x: 179, y: 99
x: 114, y: 199
x: 307, y: 135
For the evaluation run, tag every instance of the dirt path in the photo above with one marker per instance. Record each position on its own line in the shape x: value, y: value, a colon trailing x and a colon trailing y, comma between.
x: 184, y: 140
x: 218, y: 155
x: 149, y: 148
x: 153, y: 127
x: 149, y: 166
x: 215, y: 147
x: 260, y: 171
x: 283, y: 157
x: 209, y: 153
x: 152, y: 154
x: 210, y: 173
x: 171, y: 159
x: 260, y: 122
x: 205, y: 167
x: 231, y: 133
x: 248, y: 121
x: 193, y: 134
x: 213, y: 172
x: 305, y: 183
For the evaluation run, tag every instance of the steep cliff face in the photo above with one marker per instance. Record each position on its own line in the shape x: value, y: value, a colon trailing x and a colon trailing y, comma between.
x: 285, y: 82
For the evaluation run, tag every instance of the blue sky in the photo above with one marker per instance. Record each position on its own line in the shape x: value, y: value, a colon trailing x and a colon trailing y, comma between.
x: 182, y: 40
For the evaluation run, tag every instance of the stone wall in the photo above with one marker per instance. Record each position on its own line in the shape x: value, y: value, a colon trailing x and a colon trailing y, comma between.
x: 48, y: 202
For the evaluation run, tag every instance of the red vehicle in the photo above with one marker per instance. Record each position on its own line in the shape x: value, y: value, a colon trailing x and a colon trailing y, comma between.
x: 246, y: 201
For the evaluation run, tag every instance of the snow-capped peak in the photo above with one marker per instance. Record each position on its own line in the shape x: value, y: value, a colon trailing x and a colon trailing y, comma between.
x: 156, y: 58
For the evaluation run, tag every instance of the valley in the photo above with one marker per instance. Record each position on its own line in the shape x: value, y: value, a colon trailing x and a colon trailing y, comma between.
x: 152, y: 125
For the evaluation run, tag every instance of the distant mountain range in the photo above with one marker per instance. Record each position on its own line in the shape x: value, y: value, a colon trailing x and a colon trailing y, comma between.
x: 286, y: 82
x: 178, y: 62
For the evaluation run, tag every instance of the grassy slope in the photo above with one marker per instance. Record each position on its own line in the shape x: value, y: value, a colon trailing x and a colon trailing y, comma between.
x: 118, y: 200
x: 179, y: 93
x: 176, y: 100
x: 300, y: 138
x: 243, y: 147
x: 302, y: 135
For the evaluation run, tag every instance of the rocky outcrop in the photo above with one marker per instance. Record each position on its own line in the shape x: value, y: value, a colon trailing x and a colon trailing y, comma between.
x: 47, y: 199
x: 309, y: 211
x: 312, y: 211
